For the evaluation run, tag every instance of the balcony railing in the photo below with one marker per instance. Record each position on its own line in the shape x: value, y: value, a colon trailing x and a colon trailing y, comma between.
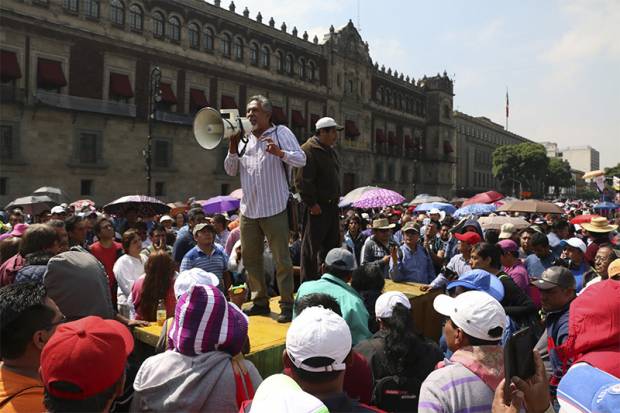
x: 81, y: 104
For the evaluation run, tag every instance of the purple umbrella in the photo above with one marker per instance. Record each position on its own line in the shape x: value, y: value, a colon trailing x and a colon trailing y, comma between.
x: 147, y: 206
x: 219, y: 204
x: 379, y: 198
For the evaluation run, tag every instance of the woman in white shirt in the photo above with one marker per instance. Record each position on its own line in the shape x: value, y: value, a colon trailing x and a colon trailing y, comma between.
x: 128, y: 268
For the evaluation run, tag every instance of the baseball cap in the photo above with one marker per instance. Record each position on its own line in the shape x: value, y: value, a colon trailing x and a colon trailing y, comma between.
x: 434, y: 211
x: 165, y: 218
x: 318, y: 332
x: 507, y: 230
x: 327, y: 123
x: 585, y: 388
x: 93, y: 343
x: 341, y: 259
x: 58, y: 210
x: 480, y: 280
x: 200, y: 227
x: 554, y: 277
x: 410, y: 226
x: 195, y: 276
x: 19, y: 229
x: 474, y: 312
x: 614, y: 268
x: 470, y: 237
x: 386, y: 302
x: 575, y: 243
x: 508, y: 245
x: 279, y: 393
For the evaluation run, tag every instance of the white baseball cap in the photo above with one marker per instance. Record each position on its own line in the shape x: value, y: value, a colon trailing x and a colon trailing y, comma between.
x: 434, y: 211
x: 279, y: 393
x: 165, y: 218
x: 575, y: 243
x: 327, y: 123
x: 318, y: 332
x: 474, y: 312
x: 195, y: 276
x: 386, y: 302
x: 58, y: 210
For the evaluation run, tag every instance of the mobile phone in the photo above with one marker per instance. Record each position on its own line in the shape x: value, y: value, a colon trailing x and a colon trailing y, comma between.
x: 518, y: 358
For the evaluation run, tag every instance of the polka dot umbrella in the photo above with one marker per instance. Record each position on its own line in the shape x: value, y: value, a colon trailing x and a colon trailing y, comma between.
x: 379, y: 198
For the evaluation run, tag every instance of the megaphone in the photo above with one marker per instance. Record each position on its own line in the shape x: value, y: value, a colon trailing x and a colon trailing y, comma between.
x: 212, y: 126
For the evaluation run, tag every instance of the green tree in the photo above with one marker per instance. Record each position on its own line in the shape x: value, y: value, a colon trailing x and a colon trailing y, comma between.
x: 614, y: 171
x: 525, y: 163
x: 559, y: 174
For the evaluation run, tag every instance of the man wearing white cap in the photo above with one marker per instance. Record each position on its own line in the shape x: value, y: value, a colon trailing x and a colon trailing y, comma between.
x: 473, y: 330
x: 575, y: 252
x: 318, y: 183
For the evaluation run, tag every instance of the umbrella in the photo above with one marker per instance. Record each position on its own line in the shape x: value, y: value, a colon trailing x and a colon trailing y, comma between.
x: 32, y: 204
x: 484, y: 198
x: 593, y: 174
x: 219, y: 204
x: 147, y: 206
x: 54, y: 193
x: 177, y: 208
x: 426, y: 198
x: 606, y: 206
x: 80, y: 204
x: 531, y: 205
x: 354, y: 195
x: 442, y: 206
x: 474, y: 209
x: 378, y: 198
x: 498, y: 221
x: 237, y: 193
x: 582, y: 219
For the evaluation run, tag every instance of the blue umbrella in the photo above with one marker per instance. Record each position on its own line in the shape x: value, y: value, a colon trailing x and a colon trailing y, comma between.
x: 474, y: 209
x: 606, y: 206
x: 442, y: 206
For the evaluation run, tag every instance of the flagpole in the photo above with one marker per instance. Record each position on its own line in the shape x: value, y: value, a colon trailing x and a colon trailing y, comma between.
x: 507, y: 108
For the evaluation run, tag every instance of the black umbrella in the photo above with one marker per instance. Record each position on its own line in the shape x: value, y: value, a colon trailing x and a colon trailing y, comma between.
x: 32, y: 204
x: 145, y: 205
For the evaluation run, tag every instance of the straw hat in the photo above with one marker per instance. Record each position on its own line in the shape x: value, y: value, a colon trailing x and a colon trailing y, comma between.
x: 599, y: 224
x: 382, y: 223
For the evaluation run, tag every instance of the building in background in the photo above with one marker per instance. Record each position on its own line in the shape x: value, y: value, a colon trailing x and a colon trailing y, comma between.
x: 75, y: 93
x: 583, y: 158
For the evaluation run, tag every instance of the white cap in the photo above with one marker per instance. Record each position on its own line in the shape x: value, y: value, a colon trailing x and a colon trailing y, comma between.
x: 507, y: 230
x: 575, y: 243
x: 318, y: 332
x: 165, y: 218
x: 327, y: 123
x: 365, y: 216
x: 434, y: 211
x: 386, y: 302
x: 58, y: 210
x: 474, y: 312
x: 279, y: 393
x: 195, y: 276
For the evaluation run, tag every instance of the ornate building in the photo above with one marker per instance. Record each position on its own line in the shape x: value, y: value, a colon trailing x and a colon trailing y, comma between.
x: 76, y: 90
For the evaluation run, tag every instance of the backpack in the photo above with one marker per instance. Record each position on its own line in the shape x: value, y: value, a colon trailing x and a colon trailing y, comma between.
x: 397, y: 393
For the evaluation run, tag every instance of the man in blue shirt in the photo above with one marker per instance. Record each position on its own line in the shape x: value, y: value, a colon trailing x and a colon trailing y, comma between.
x: 411, y: 262
x: 185, y: 240
x: 206, y: 256
x: 542, y: 258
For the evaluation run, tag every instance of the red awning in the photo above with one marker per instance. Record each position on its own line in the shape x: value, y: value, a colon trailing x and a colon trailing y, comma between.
x: 379, y: 136
x: 197, y: 98
x: 228, y: 102
x: 392, y: 138
x: 167, y: 95
x: 447, y: 147
x: 314, y: 118
x: 120, y: 85
x: 278, y: 116
x: 50, y: 74
x: 298, y: 119
x: 9, y: 66
x: 408, y: 141
x: 350, y: 129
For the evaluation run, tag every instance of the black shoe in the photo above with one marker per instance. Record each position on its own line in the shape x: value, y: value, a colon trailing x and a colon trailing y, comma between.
x: 285, y: 316
x: 256, y: 310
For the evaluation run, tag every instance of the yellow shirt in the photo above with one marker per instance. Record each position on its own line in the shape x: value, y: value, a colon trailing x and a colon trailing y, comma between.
x: 29, y: 392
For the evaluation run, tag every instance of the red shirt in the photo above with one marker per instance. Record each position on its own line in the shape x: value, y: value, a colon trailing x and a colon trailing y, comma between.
x: 9, y: 268
x: 108, y: 256
x: 136, y: 294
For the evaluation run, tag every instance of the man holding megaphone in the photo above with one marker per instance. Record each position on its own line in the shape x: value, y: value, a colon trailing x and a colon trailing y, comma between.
x: 268, y: 150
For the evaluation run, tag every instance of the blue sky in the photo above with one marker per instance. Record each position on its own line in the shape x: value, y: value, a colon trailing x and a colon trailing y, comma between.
x: 559, y: 59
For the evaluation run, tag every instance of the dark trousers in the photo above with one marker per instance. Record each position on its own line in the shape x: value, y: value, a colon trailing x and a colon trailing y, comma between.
x: 321, y: 233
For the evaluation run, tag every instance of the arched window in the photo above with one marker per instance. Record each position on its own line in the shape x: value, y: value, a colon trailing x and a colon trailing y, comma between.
x: 117, y: 12
x: 280, y: 62
x: 135, y: 18
x: 288, y: 65
x: 91, y: 8
x: 302, y: 68
x: 254, y: 53
x: 158, y: 24
x: 174, y: 28
x: 238, y: 48
x: 312, y: 71
x: 193, y: 32
x: 208, y: 36
x: 225, y: 46
x: 264, y: 57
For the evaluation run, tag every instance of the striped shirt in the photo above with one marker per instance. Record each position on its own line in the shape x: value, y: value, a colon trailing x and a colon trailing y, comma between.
x: 265, y: 191
x: 216, y: 262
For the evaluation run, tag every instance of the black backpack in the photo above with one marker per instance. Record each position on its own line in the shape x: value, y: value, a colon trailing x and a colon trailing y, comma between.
x: 397, y: 394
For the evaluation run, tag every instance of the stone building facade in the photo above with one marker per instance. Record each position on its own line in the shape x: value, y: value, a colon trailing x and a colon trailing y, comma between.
x: 476, y: 139
x: 76, y: 90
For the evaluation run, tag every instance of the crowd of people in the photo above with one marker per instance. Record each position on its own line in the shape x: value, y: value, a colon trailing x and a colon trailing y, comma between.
x: 74, y: 283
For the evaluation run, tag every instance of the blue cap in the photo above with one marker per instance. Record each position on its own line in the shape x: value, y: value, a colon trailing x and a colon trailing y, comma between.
x: 480, y: 280
x: 587, y: 389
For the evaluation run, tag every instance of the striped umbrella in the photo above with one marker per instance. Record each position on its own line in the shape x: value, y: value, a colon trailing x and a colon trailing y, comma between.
x: 379, y: 198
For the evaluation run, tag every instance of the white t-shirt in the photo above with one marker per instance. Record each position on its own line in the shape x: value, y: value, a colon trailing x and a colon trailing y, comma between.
x: 127, y: 270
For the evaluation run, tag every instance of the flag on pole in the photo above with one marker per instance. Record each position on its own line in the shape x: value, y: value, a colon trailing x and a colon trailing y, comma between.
x: 507, y: 104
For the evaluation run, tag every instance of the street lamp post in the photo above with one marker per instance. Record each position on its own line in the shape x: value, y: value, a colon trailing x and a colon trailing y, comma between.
x: 154, y: 98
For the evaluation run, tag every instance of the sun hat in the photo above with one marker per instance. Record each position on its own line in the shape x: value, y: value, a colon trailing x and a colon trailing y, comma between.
x: 507, y: 230
x: 382, y: 223
x: 341, y: 259
x: 508, y: 245
x: 200, y: 227
x: 585, y: 388
x: 480, y: 280
x: 554, y: 277
x: 92, y: 343
x: 599, y: 224
x: 279, y: 393
x: 204, y: 321
x: 327, y: 122
x: 18, y: 230
x: 470, y: 237
x: 575, y: 243
x: 194, y: 276
x: 318, y: 332
x: 165, y: 218
x: 474, y: 312
x: 386, y: 302
x: 410, y: 226
x: 614, y: 268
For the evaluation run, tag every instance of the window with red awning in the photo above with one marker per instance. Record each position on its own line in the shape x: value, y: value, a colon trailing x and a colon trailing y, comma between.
x: 350, y: 129
x: 447, y: 147
x: 167, y: 94
x: 298, y: 119
x: 197, y: 99
x: 50, y: 74
x: 408, y: 141
x: 228, y: 102
x: 120, y: 85
x: 379, y: 136
x: 392, y: 138
x: 314, y: 118
x: 9, y: 66
x: 278, y: 116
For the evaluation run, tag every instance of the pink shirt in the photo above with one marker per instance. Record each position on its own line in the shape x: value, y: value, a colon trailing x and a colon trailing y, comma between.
x: 136, y: 294
x: 518, y: 273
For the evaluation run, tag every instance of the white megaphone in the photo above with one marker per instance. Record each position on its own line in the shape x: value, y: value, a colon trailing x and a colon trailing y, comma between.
x: 211, y: 126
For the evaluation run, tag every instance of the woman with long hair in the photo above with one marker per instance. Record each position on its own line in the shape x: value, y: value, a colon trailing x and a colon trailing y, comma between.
x: 156, y: 284
x: 128, y: 268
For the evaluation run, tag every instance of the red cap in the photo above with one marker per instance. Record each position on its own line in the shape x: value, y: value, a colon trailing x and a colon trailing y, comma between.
x: 469, y: 237
x: 90, y: 354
